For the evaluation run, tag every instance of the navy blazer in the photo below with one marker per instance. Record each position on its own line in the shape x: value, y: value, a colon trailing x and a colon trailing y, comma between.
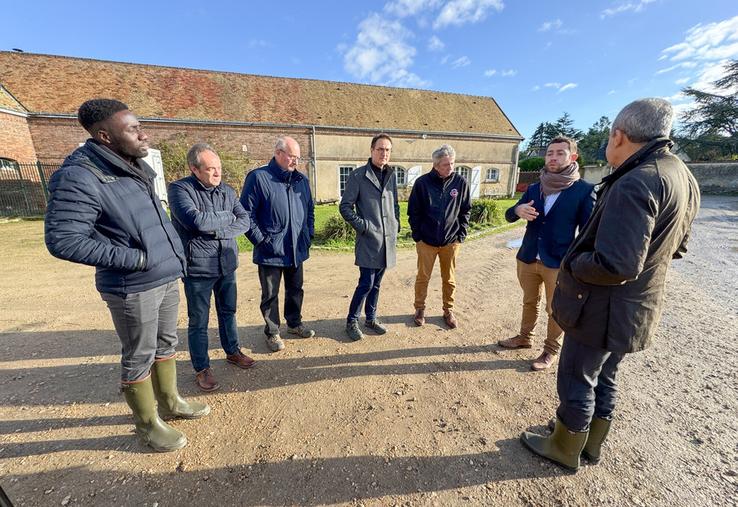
x: 549, y: 236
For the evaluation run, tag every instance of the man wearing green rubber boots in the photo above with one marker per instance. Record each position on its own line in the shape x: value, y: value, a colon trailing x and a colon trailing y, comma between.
x: 103, y: 212
x: 610, y: 288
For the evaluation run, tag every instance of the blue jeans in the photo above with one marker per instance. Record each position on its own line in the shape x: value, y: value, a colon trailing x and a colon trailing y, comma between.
x: 198, y: 291
x: 367, y: 290
x: 586, y: 384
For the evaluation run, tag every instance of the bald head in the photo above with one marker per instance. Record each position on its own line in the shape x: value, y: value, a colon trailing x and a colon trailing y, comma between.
x: 287, y: 153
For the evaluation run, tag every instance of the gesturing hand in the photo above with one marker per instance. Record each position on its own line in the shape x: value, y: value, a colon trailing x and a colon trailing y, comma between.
x: 526, y: 211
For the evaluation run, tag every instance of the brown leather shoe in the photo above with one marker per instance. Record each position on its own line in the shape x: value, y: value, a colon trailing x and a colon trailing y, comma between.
x: 543, y: 362
x: 205, y: 380
x: 419, y: 318
x: 240, y: 359
x: 516, y: 342
x: 451, y: 321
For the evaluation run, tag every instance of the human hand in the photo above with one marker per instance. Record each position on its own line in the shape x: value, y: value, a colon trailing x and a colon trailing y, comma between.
x: 526, y: 211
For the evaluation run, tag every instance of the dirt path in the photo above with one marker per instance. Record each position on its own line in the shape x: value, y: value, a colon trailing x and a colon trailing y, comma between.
x: 420, y: 416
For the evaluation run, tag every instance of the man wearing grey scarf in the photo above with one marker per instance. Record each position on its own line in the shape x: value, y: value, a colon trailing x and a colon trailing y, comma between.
x: 554, y: 208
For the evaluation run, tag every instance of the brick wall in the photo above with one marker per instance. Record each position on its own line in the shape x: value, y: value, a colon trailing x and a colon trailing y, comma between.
x: 56, y: 138
x: 15, y: 139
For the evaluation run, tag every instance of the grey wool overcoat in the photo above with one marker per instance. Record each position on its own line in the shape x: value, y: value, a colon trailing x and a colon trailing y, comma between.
x: 372, y: 210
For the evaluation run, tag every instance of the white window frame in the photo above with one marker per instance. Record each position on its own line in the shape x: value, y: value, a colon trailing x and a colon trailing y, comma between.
x: 466, y: 171
x: 496, y: 179
x: 351, y: 168
x: 398, y: 168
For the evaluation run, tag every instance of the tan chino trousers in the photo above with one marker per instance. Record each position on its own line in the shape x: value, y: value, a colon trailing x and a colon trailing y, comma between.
x: 426, y: 259
x: 531, y: 277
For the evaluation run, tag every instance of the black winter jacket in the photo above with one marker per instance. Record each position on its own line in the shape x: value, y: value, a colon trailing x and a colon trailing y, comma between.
x: 438, y: 209
x: 208, y: 220
x: 103, y: 213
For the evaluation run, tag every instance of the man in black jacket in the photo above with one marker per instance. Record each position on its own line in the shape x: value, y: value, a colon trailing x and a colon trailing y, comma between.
x: 209, y: 217
x: 610, y: 289
x: 438, y: 212
x: 103, y: 212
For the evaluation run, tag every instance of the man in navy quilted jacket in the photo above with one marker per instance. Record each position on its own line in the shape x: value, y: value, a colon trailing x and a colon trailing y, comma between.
x: 209, y: 217
x: 103, y: 212
x: 555, y: 207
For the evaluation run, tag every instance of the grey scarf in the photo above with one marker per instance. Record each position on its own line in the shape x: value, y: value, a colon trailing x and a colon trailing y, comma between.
x: 553, y: 183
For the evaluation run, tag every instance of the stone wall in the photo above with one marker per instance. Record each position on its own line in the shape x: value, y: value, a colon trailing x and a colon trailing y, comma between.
x: 716, y: 177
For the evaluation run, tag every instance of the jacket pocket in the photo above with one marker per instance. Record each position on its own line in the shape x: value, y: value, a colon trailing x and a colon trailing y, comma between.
x: 568, y: 301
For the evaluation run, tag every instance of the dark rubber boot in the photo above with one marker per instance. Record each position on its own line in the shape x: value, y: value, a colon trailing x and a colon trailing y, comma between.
x: 171, y: 404
x: 151, y: 430
x: 598, y: 430
x: 562, y: 447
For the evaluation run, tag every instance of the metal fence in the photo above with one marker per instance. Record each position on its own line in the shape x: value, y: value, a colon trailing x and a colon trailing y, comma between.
x: 23, y: 190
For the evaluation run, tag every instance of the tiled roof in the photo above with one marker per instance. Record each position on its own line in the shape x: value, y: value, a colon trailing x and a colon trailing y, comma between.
x: 57, y: 84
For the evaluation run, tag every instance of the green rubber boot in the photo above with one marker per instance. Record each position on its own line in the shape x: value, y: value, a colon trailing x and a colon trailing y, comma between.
x: 562, y: 447
x: 598, y: 430
x: 171, y: 404
x: 151, y: 430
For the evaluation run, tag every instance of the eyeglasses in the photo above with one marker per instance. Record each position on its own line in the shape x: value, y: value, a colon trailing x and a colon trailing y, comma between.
x: 296, y: 158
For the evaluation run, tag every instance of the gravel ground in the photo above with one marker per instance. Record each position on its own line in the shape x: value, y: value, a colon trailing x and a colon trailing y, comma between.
x: 419, y: 416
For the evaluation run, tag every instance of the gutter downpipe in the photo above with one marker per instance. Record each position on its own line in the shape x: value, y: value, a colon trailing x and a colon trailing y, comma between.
x: 515, y: 173
x: 313, y: 172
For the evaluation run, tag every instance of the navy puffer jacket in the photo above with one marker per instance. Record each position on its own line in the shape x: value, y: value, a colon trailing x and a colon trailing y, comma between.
x: 208, y: 220
x: 104, y: 213
x: 280, y: 207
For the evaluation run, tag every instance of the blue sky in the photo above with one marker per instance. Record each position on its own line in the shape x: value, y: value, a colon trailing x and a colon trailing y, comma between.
x: 537, y: 59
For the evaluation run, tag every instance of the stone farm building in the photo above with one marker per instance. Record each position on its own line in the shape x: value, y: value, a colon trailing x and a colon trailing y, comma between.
x: 243, y: 114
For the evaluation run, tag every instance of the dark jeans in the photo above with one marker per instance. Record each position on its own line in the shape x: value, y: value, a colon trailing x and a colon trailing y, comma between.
x: 270, y: 278
x: 586, y: 383
x: 198, y: 291
x: 146, y: 323
x: 367, y: 290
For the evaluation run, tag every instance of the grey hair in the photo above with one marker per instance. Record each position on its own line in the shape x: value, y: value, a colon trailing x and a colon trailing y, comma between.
x: 193, y: 156
x: 645, y: 119
x: 281, y: 143
x: 445, y: 150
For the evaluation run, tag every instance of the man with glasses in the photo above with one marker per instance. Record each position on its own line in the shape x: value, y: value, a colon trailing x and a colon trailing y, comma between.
x: 278, y: 200
x: 369, y: 205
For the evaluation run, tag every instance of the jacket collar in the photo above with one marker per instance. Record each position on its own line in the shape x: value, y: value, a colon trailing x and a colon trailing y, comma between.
x: 283, y: 175
x: 198, y: 184
x: 107, y: 155
x: 373, y: 177
x: 660, y: 144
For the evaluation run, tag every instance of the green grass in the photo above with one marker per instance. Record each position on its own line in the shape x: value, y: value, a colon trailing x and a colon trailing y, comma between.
x: 324, y: 211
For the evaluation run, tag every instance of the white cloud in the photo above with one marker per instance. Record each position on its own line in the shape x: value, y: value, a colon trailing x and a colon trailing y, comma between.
x: 462, y: 61
x: 567, y: 86
x: 551, y: 25
x: 404, y: 8
x: 460, y: 12
x: 560, y: 87
x: 713, y: 41
x: 705, y: 50
x: 257, y: 43
x: 435, y: 44
x: 536, y: 88
x: 381, y: 54
x: 490, y: 72
x: 509, y: 73
x: 636, y: 6
x: 612, y: 92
